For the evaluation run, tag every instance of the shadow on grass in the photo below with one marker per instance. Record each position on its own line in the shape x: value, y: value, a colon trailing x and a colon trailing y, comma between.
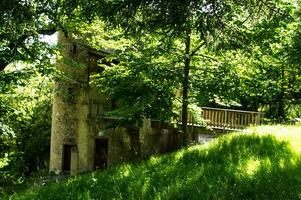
x: 233, y: 167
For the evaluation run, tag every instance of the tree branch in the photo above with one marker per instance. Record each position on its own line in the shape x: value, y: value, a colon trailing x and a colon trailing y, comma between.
x: 198, y: 48
x: 209, y: 57
x: 46, y: 32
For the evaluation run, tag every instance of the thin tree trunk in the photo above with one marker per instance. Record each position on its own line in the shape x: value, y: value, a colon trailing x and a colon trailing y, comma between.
x: 186, y: 87
x: 281, y: 111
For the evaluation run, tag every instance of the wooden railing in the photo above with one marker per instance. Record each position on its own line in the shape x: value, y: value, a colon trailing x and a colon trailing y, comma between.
x: 230, y: 119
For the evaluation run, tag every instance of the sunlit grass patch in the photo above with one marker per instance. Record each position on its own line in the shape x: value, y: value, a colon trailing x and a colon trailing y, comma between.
x: 252, y: 166
x: 289, y: 133
x: 260, y: 164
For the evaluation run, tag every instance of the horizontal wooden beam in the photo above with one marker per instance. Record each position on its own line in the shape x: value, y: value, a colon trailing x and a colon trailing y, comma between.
x: 230, y: 110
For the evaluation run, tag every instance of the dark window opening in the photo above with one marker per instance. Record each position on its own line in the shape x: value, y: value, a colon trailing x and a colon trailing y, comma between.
x: 74, y: 48
x: 67, y: 157
x: 70, y: 95
x: 101, y: 153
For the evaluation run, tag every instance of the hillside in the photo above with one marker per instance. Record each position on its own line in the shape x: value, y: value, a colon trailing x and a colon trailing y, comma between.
x: 263, y: 163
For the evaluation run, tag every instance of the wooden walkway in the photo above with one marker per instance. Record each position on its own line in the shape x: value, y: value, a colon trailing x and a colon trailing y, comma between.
x: 216, y: 118
x: 230, y: 119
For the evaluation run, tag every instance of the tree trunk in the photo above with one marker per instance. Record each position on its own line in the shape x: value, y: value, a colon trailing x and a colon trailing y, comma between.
x: 281, y: 112
x: 270, y: 109
x: 186, y: 87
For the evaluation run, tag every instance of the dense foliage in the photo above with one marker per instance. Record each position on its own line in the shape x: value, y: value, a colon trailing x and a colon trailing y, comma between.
x: 24, y: 123
x: 217, y: 25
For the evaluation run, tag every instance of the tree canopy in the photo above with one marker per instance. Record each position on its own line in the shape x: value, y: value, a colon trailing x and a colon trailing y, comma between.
x: 23, y: 23
x: 223, y: 24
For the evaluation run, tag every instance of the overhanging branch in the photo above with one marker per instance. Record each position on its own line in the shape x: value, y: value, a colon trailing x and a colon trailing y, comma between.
x: 209, y: 57
x: 196, y: 49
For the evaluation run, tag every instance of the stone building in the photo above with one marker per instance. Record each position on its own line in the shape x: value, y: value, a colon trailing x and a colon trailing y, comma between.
x: 80, y: 138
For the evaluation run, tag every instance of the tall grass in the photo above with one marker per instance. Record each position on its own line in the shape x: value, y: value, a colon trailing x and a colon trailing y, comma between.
x: 250, y: 165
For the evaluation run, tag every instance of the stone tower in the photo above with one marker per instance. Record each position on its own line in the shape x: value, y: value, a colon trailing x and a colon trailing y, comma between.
x: 71, y: 144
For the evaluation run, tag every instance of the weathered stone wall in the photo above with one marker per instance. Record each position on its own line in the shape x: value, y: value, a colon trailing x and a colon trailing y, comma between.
x: 84, y: 138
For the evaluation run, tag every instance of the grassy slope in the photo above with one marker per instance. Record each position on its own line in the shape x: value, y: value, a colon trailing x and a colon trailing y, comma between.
x: 236, y: 166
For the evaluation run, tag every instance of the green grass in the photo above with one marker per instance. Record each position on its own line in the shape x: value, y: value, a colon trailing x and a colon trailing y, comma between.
x: 263, y: 163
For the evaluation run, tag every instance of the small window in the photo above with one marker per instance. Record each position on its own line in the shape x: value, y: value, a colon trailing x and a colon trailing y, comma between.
x: 74, y: 49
